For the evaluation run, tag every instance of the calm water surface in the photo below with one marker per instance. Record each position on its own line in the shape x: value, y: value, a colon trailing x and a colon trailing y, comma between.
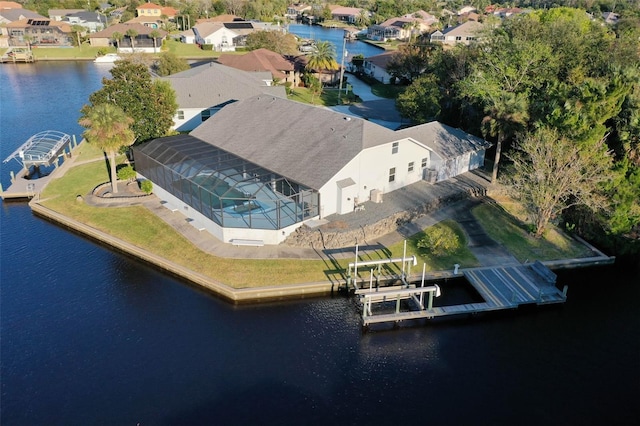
x: 92, y: 337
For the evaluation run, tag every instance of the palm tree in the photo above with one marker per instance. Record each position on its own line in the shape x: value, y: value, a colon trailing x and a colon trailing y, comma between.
x: 506, y: 114
x: 155, y: 34
x: 108, y: 128
x: 78, y: 29
x: 323, y: 58
x: 132, y: 34
x: 118, y: 38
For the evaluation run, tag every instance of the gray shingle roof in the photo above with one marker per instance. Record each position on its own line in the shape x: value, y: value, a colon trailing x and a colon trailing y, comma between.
x: 446, y: 141
x: 305, y: 143
x: 213, y: 84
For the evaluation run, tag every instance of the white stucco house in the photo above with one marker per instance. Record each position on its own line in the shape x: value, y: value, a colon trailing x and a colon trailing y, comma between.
x: 263, y: 166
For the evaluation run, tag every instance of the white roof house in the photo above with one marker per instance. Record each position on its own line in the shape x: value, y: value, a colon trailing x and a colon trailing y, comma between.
x: 265, y: 165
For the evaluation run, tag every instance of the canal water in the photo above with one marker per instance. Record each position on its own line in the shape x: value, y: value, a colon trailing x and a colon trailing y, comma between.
x: 335, y: 36
x: 89, y: 336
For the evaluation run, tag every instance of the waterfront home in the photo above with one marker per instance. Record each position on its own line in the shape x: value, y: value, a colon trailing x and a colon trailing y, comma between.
x: 142, y: 42
x: 346, y: 14
x: 203, y: 90
x: 13, y: 12
x: 282, y: 69
x: 464, y: 33
x: 262, y: 167
x: 223, y: 36
x: 39, y: 32
x: 59, y: 14
x: 295, y: 11
x: 402, y: 27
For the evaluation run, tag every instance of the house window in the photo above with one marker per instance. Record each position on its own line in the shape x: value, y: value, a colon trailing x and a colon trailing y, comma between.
x: 205, y: 115
x: 458, y: 38
x: 410, y: 167
x: 180, y: 115
x: 392, y: 174
x: 394, y: 149
x: 424, y: 163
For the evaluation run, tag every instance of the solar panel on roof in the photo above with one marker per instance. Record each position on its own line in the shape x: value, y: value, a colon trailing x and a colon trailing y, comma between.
x: 239, y: 25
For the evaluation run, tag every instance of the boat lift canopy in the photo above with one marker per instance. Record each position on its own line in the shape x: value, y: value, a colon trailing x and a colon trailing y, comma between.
x: 42, y: 149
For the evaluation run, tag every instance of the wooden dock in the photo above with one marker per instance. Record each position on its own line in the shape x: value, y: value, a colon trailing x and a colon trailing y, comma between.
x: 501, y: 288
x: 23, y: 188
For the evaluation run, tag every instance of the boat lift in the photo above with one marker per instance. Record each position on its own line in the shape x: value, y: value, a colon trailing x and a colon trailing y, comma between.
x: 352, y: 280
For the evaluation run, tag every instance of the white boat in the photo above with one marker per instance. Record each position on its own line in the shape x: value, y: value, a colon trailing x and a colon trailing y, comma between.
x: 108, y: 58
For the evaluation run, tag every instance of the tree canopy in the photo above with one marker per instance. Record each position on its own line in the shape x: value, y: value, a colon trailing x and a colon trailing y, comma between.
x: 108, y: 128
x: 284, y: 44
x: 150, y: 103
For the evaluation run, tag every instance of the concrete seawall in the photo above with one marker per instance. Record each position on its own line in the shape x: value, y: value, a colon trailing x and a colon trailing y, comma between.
x: 244, y: 295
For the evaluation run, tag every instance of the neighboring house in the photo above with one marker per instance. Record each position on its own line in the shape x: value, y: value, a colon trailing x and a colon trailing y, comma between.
x: 153, y: 10
x: 40, y: 32
x: 327, y: 77
x: 143, y: 42
x: 91, y: 21
x: 282, y: 70
x: 187, y: 36
x: 59, y: 14
x: 223, y: 36
x: 10, y: 5
x: 295, y: 11
x: 10, y: 13
x: 220, y: 18
x: 203, y: 90
x: 402, y: 27
x: 466, y: 9
x: 345, y: 14
x: 376, y: 66
x: 262, y: 167
x: 464, y: 33
x: 147, y: 21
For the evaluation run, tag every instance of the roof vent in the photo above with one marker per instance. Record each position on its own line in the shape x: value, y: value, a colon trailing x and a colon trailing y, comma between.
x: 347, y: 118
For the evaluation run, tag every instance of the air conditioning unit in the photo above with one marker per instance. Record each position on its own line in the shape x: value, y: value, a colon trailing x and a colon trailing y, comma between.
x: 376, y: 196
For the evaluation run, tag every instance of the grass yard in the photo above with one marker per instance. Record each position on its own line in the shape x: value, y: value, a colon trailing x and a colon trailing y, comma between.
x: 83, y: 52
x: 328, y: 97
x: 511, y: 232
x: 140, y: 227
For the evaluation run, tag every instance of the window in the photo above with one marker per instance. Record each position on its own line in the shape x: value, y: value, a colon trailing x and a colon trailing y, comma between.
x: 180, y: 115
x: 458, y: 38
x: 424, y: 163
x: 205, y: 114
x: 394, y: 148
x: 392, y: 174
x: 410, y: 167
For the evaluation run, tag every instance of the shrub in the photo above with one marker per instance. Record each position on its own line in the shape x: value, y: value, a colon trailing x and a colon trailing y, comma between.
x: 146, y: 186
x: 439, y: 241
x: 126, y: 172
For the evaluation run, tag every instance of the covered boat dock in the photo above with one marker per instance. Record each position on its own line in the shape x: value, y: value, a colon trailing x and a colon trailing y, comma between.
x: 40, y: 151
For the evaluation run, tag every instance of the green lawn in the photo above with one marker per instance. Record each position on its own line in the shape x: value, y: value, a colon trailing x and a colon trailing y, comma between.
x: 389, y: 91
x: 509, y: 231
x: 329, y: 97
x: 83, y: 52
x: 139, y: 226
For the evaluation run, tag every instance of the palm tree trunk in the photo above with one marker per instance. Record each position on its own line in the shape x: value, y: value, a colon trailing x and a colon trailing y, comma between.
x: 114, y: 174
x: 496, y: 160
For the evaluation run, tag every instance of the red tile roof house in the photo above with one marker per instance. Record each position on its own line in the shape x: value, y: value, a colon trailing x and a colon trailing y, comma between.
x: 282, y: 70
x: 142, y: 42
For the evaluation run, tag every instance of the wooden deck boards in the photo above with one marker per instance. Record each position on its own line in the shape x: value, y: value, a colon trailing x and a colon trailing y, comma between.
x: 501, y: 288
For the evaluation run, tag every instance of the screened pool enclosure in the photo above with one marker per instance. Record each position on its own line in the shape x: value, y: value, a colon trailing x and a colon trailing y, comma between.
x: 232, y: 192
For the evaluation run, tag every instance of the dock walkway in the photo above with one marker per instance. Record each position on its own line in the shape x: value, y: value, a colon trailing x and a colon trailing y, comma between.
x: 500, y: 287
